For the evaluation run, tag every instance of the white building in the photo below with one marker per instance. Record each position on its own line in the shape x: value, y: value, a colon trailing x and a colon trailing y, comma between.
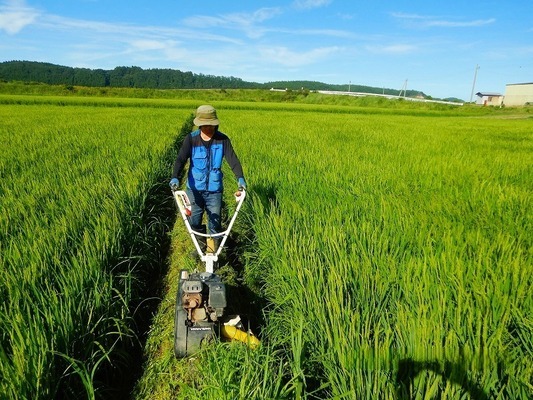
x: 489, y: 99
x: 518, y: 94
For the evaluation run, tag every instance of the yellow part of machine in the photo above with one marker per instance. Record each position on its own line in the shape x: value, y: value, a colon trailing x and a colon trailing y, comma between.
x: 233, y: 333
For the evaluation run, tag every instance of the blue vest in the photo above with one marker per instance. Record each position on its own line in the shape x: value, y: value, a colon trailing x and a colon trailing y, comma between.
x: 205, y: 172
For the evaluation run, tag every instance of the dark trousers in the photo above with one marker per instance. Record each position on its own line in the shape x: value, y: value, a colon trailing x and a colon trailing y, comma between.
x: 211, y: 203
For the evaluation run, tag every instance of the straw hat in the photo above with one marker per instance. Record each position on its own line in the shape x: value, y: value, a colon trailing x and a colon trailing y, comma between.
x: 206, y: 115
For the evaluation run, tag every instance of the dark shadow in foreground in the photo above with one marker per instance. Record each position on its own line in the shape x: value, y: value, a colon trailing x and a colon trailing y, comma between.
x: 408, y: 370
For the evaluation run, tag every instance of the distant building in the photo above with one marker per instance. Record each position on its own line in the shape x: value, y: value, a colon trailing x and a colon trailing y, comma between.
x: 518, y: 94
x: 489, y: 99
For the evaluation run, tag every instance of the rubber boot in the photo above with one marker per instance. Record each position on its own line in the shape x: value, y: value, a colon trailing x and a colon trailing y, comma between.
x: 211, y: 245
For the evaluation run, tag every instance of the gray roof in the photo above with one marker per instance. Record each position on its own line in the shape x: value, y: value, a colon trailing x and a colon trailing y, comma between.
x: 512, y: 84
x: 488, y: 94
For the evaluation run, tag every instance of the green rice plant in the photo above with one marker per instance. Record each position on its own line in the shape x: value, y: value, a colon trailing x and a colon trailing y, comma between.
x: 392, y: 246
x: 393, y: 251
x: 401, y: 240
x: 74, y: 183
x: 233, y: 371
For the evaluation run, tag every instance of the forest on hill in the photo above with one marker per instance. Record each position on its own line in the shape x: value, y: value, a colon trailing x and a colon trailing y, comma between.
x: 136, y: 77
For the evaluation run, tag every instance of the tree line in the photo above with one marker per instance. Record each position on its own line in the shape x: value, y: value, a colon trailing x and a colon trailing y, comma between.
x: 313, y: 85
x: 132, y: 77
x: 136, y: 77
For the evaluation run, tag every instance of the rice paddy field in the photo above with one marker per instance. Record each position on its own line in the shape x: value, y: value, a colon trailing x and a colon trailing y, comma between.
x: 384, y: 251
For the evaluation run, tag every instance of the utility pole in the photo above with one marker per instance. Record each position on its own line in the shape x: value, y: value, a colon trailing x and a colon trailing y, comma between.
x: 474, y: 84
x: 350, y: 86
x: 403, y: 89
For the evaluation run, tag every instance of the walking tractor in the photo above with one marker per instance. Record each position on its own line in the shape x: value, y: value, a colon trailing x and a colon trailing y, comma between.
x: 201, y: 298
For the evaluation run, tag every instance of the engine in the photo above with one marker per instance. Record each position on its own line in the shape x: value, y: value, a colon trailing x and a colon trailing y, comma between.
x: 201, y: 300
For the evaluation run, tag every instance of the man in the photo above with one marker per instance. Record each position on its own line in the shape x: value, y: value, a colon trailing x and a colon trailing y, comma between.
x: 206, y: 148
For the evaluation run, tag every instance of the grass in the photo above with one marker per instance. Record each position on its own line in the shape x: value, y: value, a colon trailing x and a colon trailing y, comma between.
x: 415, y: 231
x: 393, y: 252
x: 75, y: 183
x: 389, y: 249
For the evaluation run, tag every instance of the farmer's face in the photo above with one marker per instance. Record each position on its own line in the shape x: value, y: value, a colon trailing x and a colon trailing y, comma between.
x: 208, y: 129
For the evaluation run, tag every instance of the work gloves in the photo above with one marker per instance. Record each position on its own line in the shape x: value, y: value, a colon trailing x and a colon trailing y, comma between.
x: 174, y: 184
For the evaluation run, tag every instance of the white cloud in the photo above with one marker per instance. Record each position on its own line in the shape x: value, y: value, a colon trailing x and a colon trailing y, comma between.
x: 286, y: 57
x: 393, y: 49
x: 346, y: 17
x: 325, y: 32
x: 424, y: 21
x: 247, y: 22
x: 125, y: 32
x: 15, y: 16
x: 148, y: 45
x: 459, y: 24
x: 307, y: 4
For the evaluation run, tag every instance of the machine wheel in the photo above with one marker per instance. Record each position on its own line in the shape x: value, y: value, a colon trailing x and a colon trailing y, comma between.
x: 180, y: 332
x: 180, y: 322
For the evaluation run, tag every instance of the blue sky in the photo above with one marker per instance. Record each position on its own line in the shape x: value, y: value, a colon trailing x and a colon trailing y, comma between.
x: 433, y: 45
